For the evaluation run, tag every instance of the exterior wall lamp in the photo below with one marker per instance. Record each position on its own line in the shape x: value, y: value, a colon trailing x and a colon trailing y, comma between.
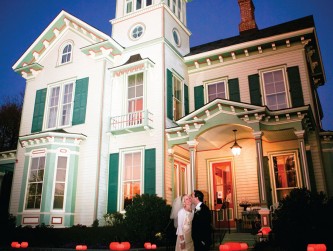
x: 236, y: 149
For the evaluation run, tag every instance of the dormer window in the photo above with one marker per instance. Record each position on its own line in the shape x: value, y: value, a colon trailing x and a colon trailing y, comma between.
x: 66, y: 53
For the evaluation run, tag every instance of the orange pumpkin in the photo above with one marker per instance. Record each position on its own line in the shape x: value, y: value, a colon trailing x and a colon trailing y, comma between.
x: 24, y: 244
x: 120, y: 245
x: 233, y: 246
x: 316, y: 247
x: 14, y: 244
x: 265, y: 230
x: 147, y: 245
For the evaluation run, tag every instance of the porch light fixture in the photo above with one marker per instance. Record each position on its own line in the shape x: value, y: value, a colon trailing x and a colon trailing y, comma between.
x: 236, y: 149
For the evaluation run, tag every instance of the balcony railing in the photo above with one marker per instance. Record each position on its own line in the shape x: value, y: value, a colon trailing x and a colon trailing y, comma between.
x: 132, y: 122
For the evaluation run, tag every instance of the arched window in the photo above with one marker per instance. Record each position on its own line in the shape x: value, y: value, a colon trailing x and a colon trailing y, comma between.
x: 66, y: 55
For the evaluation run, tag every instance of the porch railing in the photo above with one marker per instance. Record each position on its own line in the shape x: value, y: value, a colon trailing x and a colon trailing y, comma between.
x: 134, y: 121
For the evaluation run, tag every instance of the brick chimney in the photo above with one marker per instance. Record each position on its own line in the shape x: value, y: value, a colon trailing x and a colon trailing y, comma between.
x: 248, y: 22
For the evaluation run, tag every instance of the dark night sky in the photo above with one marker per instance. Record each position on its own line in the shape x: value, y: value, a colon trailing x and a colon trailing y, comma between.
x: 22, y: 21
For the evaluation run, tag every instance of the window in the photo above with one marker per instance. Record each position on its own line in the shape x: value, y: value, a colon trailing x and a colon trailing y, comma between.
x: 274, y: 87
x: 135, y: 99
x: 132, y: 5
x: 129, y: 6
x: 176, y: 37
x: 138, y: 4
x: 285, y: 173
x: 176, y: 7
x: 131, y: 177
x: 177, y: 98
x: 35, y: 183
x: 179, y: 9
x: 60, y: 183
x: 59, y: 107
x: 137, y: 31
x: 66, y: 54
x: 216, y: 90
x: 180, y: 177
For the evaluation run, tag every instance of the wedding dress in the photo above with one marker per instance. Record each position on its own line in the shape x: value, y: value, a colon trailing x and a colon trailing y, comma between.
x: 185, y: 228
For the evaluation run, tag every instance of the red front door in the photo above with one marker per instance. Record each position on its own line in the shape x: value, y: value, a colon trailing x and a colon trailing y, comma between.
x: 223, y: 215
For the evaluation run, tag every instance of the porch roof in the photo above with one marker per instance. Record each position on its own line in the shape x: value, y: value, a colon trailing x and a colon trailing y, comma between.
x: 218, y: 118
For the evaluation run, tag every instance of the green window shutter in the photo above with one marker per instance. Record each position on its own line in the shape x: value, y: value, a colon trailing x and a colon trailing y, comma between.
x: 113, y: 183
x: 199, y: 97
x: 255, y: 92
x: 186, y: 101
x: 295, y: 86
x: 37, y: 119
x: 169, y: 95
x: 150, y: 171
x: 80, y: 101
x: 233, y: 85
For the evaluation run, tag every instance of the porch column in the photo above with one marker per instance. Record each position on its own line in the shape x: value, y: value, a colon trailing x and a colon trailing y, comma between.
x: 260, y: 164
x: 171, y: 162
x: 193, y: 146
x: 304, y: 162
x: 264, y: 211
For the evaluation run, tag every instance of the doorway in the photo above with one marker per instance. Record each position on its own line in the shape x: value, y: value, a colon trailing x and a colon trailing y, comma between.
x: 222, y: 196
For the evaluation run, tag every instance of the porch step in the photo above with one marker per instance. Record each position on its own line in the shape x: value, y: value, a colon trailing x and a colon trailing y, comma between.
x: 249, y: 238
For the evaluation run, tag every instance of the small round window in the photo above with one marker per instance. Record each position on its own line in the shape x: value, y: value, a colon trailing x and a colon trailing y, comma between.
x: 176, y: 37
x: 137, y: 31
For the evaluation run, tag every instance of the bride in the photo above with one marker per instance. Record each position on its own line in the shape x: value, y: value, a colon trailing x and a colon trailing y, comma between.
x: 182, y: 214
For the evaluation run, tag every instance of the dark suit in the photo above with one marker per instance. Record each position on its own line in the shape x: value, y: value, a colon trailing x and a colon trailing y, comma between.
x: 201, y: 229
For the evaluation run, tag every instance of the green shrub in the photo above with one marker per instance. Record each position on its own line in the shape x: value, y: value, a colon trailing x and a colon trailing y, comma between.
x: 113, y: 219
x: 303, y: 217
x: 147, y: 219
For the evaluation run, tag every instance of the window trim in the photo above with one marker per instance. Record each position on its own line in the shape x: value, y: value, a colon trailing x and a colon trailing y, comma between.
x: 181, y: 162
x: 61, y: 152
x: 182, y: 83
x: 132, y: 3
x: 174, y: 8
x: 122, y: 154
x: 134, y: 27
x: 60, y: 104
x: 272, y: 173
x: 61, y: 50
x: 215, y: 81
x: 143, y: 91
x: 175, y: 31
x: 37, y: 153
x: 282, y: 68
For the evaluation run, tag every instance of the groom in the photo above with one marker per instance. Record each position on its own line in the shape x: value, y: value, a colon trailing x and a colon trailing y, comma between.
x: 201, y: 228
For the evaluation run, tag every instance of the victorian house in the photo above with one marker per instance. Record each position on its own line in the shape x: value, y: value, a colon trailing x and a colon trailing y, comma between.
x: 140, y: 111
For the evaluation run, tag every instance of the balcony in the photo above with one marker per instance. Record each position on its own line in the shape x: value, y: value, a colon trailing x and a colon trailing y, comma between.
x: 131, y: 122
